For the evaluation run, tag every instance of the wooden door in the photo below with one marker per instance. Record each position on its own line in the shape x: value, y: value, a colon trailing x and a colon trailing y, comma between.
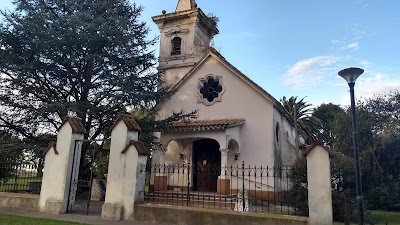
x: 207, y: 159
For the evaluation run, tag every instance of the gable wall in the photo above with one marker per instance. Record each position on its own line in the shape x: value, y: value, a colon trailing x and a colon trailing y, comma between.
x: 238, y: 101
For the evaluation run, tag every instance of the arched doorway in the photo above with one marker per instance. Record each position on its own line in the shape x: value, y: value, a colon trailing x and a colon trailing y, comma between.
x: 207, y: 165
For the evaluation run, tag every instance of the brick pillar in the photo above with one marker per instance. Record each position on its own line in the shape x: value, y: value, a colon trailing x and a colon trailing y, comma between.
x: 223, y: 183
x: 160, y: 179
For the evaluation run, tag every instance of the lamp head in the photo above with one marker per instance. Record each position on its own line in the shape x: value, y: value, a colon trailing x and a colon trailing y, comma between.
x: 351, y: 74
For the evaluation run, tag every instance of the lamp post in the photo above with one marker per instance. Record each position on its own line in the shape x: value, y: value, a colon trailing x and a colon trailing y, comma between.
x: 350, y: 75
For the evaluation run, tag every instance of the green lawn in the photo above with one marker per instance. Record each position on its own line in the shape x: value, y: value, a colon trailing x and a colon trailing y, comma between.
x: 21, y: 220
x: 381, y: 217
x: 22, y: 183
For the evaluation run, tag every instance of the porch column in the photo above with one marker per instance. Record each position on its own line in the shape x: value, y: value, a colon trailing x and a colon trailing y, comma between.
x: 160, y: 179
x: 223, y: 185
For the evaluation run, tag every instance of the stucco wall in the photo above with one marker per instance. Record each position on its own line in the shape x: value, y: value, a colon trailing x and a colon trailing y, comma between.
x: 19, y: 201
x: 199, y: 216
x: 238, y: 101
x: 284, y: 145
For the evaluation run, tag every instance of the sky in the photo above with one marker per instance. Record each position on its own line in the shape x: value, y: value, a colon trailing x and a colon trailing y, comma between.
x: 297, y: 47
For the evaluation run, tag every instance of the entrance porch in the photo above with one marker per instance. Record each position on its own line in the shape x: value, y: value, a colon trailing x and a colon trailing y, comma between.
x: 195, y: 156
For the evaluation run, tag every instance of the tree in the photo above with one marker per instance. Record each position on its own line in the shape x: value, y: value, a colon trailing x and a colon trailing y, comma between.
x: 386, y: 109
x: 84, y: 58
x: 327, y: 113
x: 306, y: 121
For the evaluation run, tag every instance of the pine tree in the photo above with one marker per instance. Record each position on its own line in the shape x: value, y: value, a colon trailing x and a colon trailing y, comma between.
x: 85, y: 58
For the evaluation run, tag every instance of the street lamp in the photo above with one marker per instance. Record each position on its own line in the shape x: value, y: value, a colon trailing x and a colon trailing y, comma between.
x: 350, y: 75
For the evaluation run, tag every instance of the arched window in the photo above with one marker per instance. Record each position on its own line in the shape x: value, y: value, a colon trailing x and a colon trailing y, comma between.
x: 277, y: 132
x: 176, y: 46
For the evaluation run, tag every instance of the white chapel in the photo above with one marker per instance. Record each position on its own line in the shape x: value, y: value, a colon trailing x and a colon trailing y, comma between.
x: 238, y: 121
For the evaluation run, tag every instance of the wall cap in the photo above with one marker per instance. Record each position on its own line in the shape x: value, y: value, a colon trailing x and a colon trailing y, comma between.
x: 75, y: 123
x: 139, y: 147
x: 316, y: 143
x: 129, y: 121
x: 52, y: 145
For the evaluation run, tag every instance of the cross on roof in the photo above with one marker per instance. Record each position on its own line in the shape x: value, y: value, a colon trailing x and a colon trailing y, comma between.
x: 185, y: 5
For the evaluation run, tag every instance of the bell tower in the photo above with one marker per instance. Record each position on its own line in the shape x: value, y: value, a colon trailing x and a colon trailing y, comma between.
x: 185, y: 37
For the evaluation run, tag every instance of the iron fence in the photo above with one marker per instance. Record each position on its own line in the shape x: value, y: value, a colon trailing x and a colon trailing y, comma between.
x: 20, y: 177
x: 240, y: 187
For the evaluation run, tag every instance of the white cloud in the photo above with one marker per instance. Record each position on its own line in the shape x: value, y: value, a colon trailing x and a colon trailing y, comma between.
x: 308, y: 72
x: 378, y: 83
x: 364, y: 63
x: 335, y: 41
x: 353, y: 45
x: 369, y: 85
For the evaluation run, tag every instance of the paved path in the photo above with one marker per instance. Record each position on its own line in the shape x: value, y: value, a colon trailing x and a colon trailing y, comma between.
x: 68, y: 217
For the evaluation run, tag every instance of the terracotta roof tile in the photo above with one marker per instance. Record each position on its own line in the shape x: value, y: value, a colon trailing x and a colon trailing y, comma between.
x: 330, y: 151
x: 139, y: 147
x: 75, y: 123
x: 217, y: 124
x: 52, y: 145
x: 129, y: 122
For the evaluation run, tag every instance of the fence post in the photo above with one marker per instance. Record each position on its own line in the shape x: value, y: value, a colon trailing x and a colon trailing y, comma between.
x: 125, y: 183
x: 319, y: 184
x: 59, y: 165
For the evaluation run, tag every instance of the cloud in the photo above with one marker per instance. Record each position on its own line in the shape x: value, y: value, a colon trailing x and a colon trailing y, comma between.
x: 353, y: 45
x: 369, y: 85
x: 364, y: 63
x: 363, y: 3
x: 335, y: 41
x: 378, y: 83
x: 308, y: 72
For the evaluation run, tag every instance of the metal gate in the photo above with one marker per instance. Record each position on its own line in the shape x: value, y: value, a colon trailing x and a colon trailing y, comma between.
x: 80, y: 199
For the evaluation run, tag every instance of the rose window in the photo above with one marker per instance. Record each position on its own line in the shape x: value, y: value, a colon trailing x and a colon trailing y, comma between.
x: 210, y: 90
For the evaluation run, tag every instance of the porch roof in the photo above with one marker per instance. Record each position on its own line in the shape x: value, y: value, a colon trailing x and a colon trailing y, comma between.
x: 204, y: 125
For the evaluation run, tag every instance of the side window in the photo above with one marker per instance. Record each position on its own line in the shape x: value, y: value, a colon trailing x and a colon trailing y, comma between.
x: 277, y: 133
x: 176, y: 46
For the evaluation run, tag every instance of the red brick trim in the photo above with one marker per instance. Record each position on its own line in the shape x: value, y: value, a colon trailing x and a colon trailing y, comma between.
x: 51, y: 145
x: 129, y: 121
x: 139, y: 147
x: 331, y: 152
x: 75, y: 123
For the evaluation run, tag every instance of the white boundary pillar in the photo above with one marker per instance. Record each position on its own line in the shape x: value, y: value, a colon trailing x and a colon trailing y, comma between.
x: 58, y: 166
x: 125, y: 182
x: 319, y: 184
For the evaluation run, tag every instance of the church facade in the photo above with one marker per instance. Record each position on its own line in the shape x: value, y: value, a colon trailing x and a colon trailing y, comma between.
x: 238, y: 121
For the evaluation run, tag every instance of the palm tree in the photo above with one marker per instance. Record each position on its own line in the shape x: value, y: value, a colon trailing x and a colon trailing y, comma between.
x: 305, y: 120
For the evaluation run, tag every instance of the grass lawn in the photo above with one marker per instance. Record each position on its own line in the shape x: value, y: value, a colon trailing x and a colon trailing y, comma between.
x: 381, y: 217
x: 21, y: 183
x: 21, y: 220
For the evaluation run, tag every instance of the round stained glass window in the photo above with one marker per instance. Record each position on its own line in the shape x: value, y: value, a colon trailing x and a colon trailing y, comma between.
x: 210, y: 89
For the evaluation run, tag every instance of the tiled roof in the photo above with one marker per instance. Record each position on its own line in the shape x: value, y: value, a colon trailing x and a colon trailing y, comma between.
x: 330, y: 151
x: 139, y: 147
x: 129, y: 122
x: 198, y: 125
x: 75, y: 123
x: 52, y: 145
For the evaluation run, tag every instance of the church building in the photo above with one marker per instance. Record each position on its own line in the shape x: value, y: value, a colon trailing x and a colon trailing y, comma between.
x: 238, y: 121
